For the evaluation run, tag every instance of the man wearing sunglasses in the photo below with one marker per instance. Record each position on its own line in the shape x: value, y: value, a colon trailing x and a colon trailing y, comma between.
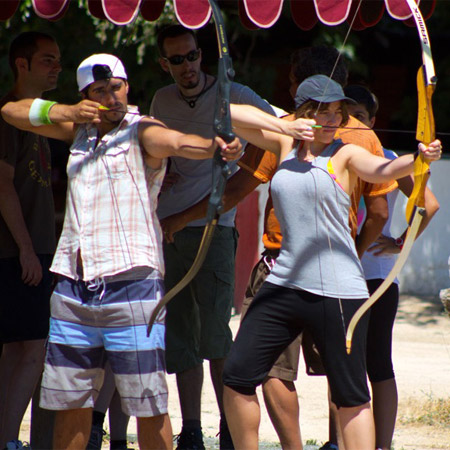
x: 197, y: 325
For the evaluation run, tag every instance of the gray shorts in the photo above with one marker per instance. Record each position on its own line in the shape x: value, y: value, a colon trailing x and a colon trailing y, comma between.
x: 106, y: 320
x: 197, y: 322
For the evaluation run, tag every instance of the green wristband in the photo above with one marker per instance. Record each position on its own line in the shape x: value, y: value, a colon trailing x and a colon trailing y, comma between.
x: 38, y: 114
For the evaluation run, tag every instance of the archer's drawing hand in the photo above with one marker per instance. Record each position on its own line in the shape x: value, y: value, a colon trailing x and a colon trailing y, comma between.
x: 384, y: 245
x: 433, y: 152
x: 85, y: 111
x: 301, y: 129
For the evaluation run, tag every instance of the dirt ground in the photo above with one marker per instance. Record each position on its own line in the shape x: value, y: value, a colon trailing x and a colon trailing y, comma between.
x: 422, y: 365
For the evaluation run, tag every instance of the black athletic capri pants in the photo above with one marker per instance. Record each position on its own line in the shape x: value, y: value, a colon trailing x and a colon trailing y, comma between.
x: 276, y: 317
x: 379, y: 335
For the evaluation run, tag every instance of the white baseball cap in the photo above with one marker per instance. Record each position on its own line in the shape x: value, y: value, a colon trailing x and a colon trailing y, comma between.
x: 100, y: 66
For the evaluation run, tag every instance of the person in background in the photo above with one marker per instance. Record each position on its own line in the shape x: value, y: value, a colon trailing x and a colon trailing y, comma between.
x: 197, y: 323
x: 108, y: 400
x: 377, y: 262
x: 27, y: 235
x: 109, y: 257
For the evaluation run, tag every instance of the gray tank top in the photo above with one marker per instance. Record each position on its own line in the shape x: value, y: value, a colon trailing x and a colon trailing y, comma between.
x: 318, y: 253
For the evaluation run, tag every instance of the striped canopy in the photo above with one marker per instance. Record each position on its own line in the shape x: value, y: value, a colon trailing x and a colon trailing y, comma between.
x: 253, y: 13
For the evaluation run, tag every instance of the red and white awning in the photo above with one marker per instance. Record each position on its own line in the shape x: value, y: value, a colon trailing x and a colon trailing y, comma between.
x: 253, y: 13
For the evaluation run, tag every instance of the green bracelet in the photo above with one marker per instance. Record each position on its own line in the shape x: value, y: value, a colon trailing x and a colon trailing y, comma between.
x: 38, y: 114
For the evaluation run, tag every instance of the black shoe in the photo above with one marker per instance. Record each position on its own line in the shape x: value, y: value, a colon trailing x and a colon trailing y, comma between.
x: 190, y: 439
x: 329, y: 446
x: 225, y: 441
x: 96, y: 438
x: 119, y: 445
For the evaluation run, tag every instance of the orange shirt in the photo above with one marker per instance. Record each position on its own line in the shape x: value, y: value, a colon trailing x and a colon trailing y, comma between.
x: 263, y: 165
x: 369, y: 141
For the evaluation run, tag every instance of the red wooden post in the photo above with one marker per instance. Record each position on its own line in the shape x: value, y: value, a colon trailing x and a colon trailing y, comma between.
x: 247, y: 218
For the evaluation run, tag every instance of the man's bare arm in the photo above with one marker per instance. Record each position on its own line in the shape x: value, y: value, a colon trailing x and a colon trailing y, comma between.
x: 377, y: 215
x: 63, y: 118
x: 160, y: 142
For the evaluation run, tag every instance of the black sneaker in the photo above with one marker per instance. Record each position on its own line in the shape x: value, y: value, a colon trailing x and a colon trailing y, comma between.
x: 119, y: 445
x: 329, y: 446
x: 190, y: 439
x: 225, y: 441
x: 96, y: 438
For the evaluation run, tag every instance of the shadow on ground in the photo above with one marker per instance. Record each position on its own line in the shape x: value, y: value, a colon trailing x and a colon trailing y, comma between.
x: 420, y: 311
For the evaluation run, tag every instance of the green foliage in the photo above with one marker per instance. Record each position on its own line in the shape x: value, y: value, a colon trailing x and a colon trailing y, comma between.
x: 78, y: 35
x: 433, y: 412
x: 385, y: 57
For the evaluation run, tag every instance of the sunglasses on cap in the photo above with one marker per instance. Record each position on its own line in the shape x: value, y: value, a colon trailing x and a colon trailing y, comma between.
x: 176, y: 60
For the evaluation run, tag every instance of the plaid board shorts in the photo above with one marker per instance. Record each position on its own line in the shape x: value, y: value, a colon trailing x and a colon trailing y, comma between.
x: 106, y: 320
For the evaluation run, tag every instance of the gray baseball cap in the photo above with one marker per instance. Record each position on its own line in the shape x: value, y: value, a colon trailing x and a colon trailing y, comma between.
x: 321, y: 89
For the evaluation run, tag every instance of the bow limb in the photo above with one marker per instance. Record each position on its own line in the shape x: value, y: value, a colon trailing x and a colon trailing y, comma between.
x: 415, y: 208
x: 221, y: 171
x: 413, y: 229
x: 426, y: 84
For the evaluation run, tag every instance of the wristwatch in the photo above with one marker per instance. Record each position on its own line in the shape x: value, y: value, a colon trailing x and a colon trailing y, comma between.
x: 399, y: 242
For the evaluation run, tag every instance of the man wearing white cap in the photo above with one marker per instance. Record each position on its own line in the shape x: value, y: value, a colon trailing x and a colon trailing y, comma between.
x: 109, y: 258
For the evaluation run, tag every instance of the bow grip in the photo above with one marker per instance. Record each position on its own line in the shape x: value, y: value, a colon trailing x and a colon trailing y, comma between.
x: 222, y: 117
x: 223, y: 128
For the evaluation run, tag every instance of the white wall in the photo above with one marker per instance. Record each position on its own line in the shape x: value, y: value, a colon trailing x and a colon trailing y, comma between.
x: 427, y: 269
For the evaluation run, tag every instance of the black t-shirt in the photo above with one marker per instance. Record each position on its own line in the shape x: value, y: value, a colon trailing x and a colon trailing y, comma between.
x: 29, y: 154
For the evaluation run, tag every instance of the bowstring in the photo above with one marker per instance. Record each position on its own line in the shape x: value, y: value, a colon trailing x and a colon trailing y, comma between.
x: 378, y: 130
x: 340, y: 53
x: 322, y: 206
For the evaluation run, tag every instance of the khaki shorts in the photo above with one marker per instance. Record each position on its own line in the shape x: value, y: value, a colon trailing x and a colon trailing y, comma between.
x: 197, y: 321
x: 286, y: 366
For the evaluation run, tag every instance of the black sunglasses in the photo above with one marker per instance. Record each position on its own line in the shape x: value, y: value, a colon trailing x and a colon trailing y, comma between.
x: 176, y: 60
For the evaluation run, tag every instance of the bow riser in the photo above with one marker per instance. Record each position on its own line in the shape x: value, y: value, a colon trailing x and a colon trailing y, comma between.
x: 222, y: 117
x: 425, y: 119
